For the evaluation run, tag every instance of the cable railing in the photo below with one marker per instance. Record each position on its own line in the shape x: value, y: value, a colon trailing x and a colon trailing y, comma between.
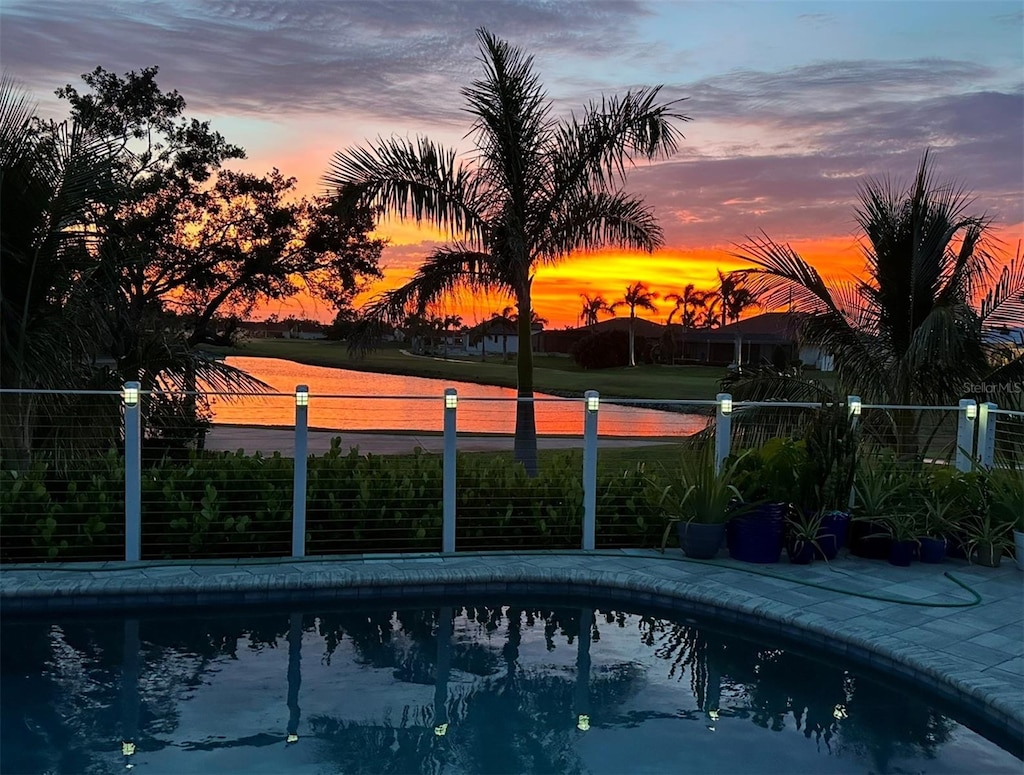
x: 84, y: 477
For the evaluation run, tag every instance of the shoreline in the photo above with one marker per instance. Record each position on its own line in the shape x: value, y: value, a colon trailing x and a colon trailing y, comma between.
x: 694, y: 406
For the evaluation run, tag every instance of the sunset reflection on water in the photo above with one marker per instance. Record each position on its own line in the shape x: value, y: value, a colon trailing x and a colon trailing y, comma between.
x: 415, y: 404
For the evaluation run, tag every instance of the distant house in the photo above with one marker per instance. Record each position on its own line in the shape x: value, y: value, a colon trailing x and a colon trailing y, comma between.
x: 497, y: 336
x: 756, y: 340
x: 561, y: 342
x: 281, y: 329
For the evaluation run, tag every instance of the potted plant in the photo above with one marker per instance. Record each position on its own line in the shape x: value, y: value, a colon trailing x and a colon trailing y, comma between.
x: 988, y: 532
x: 903, y: 527
x: 879, y: 491
x: 831, y: 442
x: 940, y: 511
x: 698, y: 501
x: 770, y: 477
x: 803, y: 534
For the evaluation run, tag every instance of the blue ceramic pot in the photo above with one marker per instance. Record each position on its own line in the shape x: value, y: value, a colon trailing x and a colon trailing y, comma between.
x: 832, y: 534
x: 757, y: 535
x: 902, y: 553
x: 932, y: 550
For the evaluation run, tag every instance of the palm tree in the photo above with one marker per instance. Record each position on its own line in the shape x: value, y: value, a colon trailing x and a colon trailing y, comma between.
x: 909, y: 332
x: 689, y: 303
x: 592, y: 307
x: 449, y: 322
x: 69, y: 281
x: 52, y: 176
x: 734, y: 297
x: 637, y: 295
x: 538, y: 189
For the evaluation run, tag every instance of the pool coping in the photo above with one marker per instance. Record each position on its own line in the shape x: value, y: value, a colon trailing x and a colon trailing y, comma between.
x: 881, y: 634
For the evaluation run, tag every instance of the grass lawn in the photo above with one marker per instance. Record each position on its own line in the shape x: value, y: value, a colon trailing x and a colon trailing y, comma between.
x: 552, y: 374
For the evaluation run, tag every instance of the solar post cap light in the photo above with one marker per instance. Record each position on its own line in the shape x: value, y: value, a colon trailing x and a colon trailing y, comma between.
x: 593, y: 402
x: 725, y: 403
x: 130, y: 394
x: 302, y: 396
x: 451, y: 400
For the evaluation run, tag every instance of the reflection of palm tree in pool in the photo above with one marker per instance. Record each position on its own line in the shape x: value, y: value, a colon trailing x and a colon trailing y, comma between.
x: 539, y: 704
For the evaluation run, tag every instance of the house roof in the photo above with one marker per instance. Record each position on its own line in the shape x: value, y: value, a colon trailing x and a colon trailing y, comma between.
x: 770, y: 327
x: 769, y: 323
x: 641, y: 327
x: 496, y: 326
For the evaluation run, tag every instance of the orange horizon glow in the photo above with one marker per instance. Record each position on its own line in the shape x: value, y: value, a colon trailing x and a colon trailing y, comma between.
x: 557, y: 289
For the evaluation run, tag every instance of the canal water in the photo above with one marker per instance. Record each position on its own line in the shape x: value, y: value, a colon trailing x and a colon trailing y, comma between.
x: 341, y: 399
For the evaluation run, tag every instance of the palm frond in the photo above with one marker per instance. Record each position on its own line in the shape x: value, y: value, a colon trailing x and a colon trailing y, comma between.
x: 782, y: 278
x: 17, y: 112
x: 594, y: 219
x: 1003, y: 305
x: 444, y: 272
x: 512, y: 123
x: 595, y: 151
x: 417, y: 180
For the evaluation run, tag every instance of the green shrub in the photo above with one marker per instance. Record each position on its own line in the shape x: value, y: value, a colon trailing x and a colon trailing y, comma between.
x: 220, y: 504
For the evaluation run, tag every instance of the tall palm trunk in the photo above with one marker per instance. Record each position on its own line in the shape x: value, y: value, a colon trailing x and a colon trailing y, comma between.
x: 632, y: 340
x: 525, y: 447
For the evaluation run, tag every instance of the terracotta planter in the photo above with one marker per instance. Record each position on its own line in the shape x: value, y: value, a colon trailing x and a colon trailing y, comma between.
x: 700, y: 541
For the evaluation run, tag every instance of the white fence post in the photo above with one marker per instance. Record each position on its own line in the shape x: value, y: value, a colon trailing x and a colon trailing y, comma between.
x: 966, y: 417
x: 451, y: 403
x: 300, y: 468
x: 854, y: 408
x: 131, y: 394
x: 986, y: 434
x: 723, y: 429
x: 591, y: 404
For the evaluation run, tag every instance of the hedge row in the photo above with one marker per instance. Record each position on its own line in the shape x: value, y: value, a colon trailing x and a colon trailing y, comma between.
x: 236, y: 505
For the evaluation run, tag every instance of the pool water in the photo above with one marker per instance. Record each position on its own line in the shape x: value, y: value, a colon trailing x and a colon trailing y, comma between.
x: 478, y: 688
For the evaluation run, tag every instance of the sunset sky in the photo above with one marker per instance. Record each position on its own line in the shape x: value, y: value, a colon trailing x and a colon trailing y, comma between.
x: 793, y: 104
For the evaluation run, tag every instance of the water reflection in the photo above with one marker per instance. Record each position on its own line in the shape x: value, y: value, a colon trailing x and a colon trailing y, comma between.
x: 476, y: 688
x: 414, y: 404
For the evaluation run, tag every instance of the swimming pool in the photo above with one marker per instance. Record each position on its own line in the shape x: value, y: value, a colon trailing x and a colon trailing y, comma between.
x: 460, y: 685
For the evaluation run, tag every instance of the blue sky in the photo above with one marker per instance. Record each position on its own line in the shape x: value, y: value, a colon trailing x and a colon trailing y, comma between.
x: 793, y: 104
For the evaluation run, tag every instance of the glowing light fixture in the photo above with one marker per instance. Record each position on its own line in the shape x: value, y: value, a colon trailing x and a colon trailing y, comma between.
x: 593, y: 403
x: 839, y: 712
x: 725, y: 404
x: 855, y: 406
x: 451, y: 400
x: 971, y: 410
x: 441, y: 730
x: 130, y: 394
x: 583, y: 722
x: 292, y: 738
x: 302, y: 396
x: 127, y: 748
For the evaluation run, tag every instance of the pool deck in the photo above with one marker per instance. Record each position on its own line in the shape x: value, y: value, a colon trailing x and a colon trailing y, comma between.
x: 971, y: 654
